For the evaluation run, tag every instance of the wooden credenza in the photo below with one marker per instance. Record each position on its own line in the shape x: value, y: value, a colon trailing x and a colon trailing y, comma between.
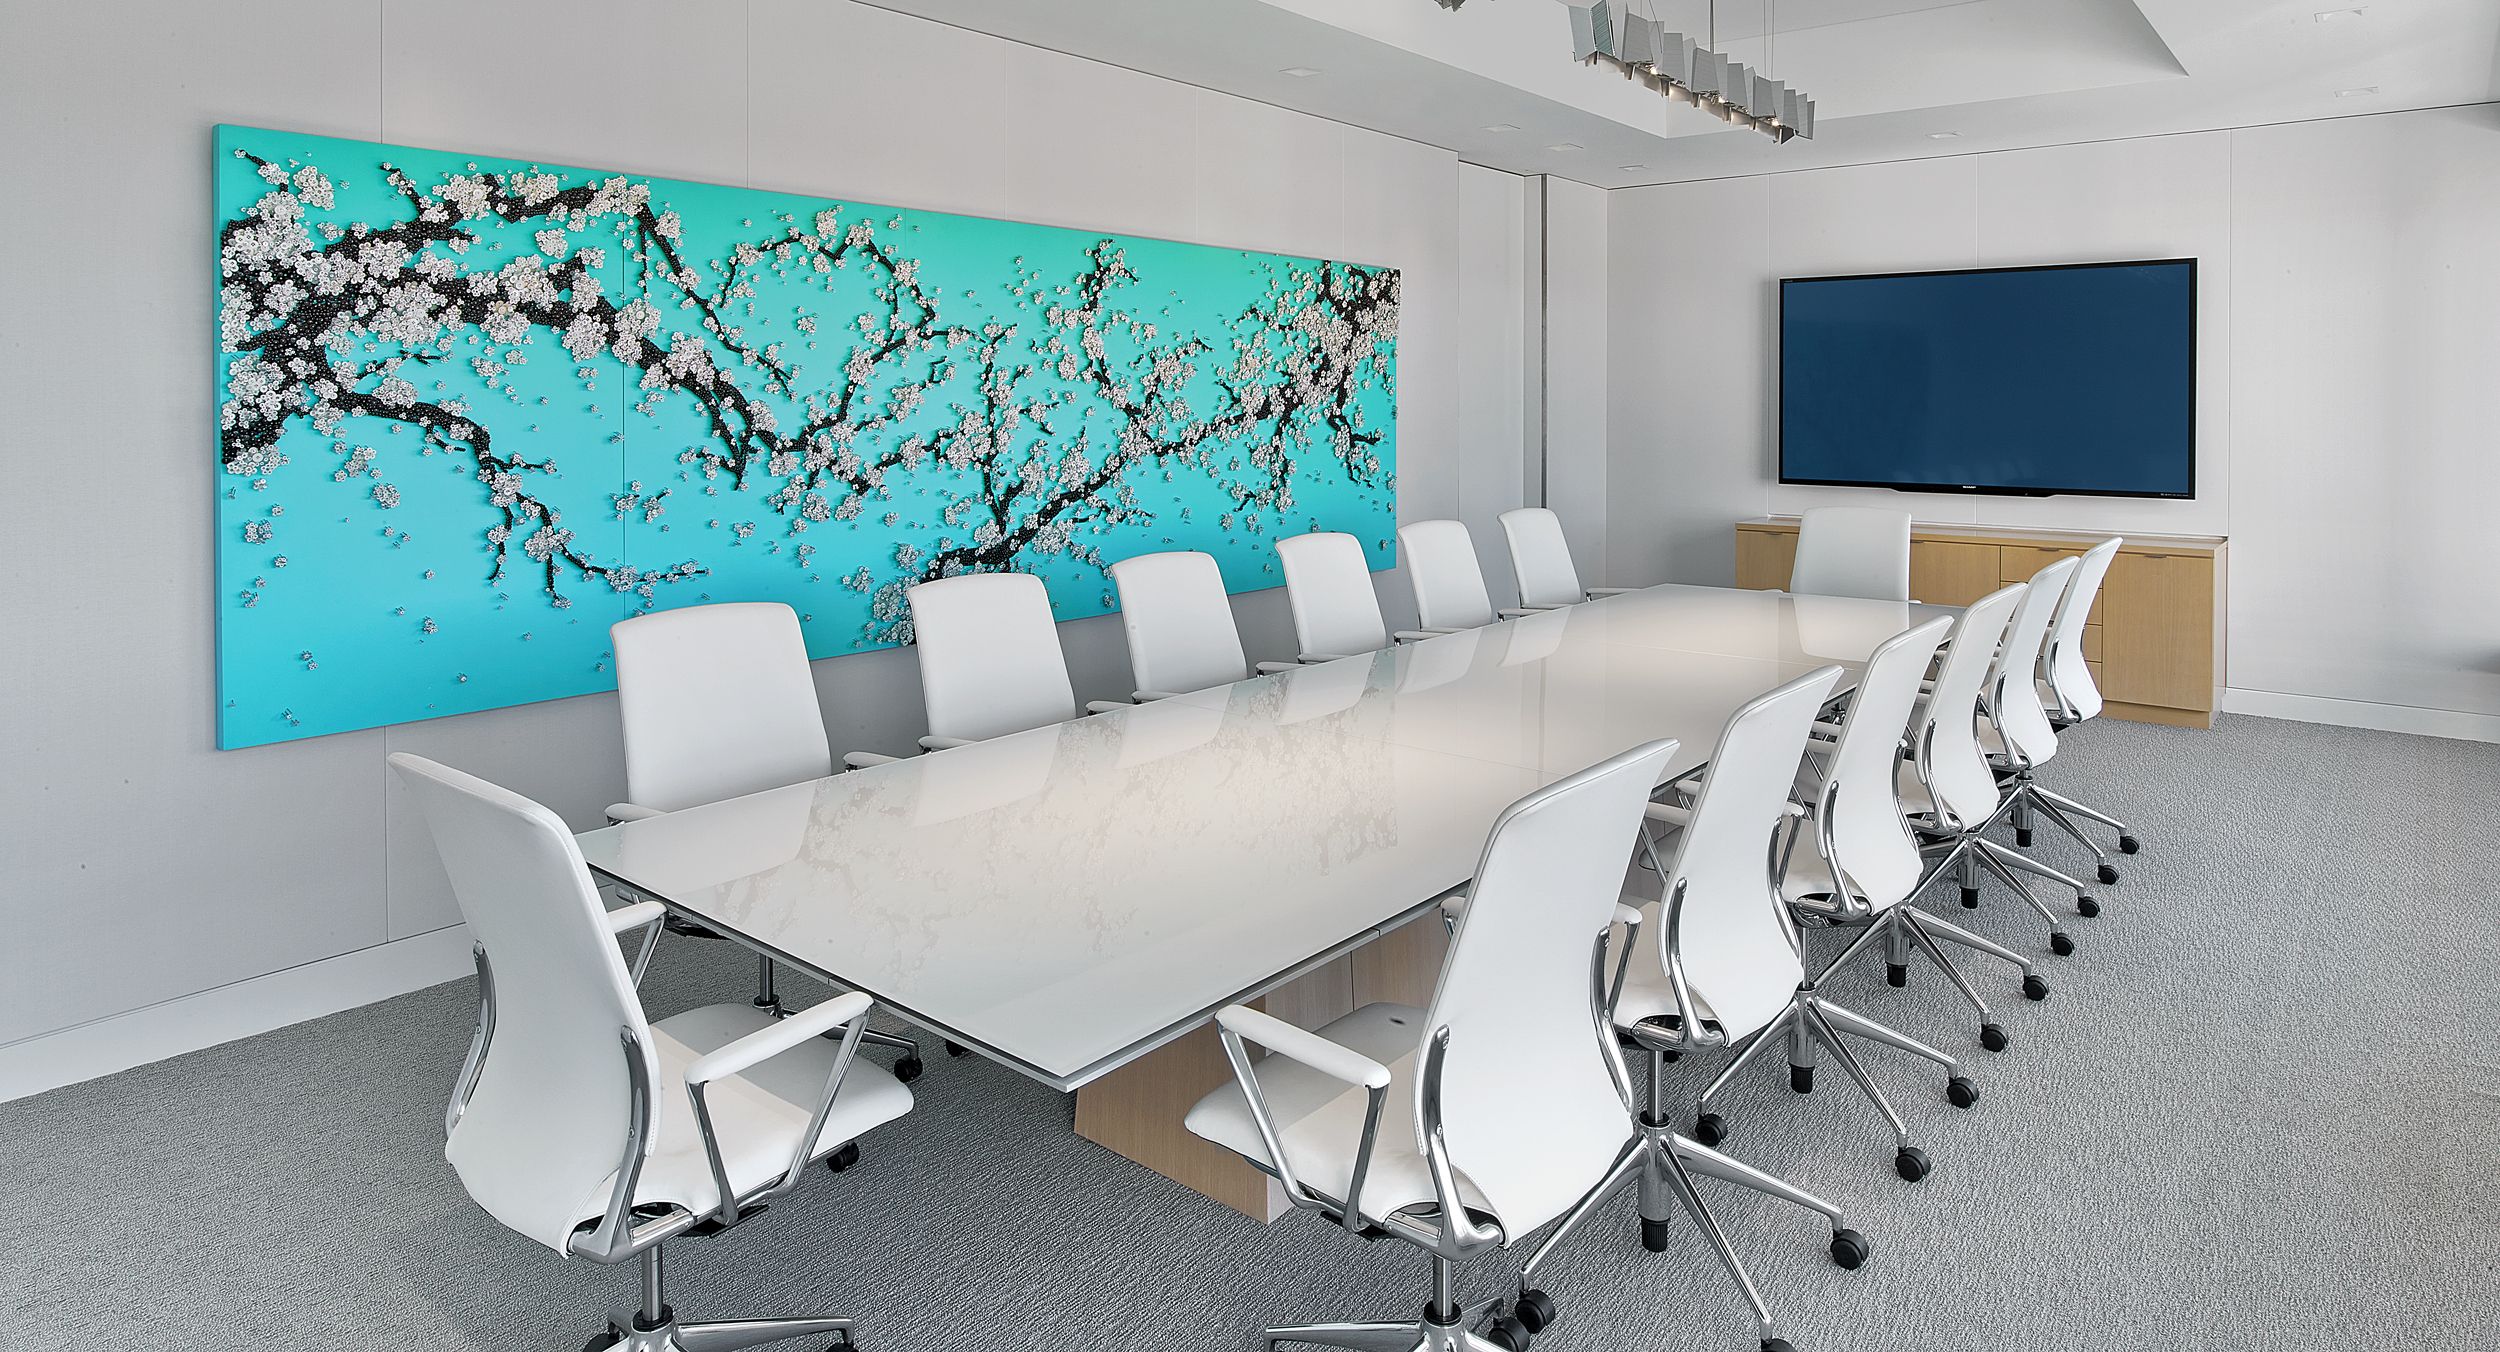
x: 2153, y: 640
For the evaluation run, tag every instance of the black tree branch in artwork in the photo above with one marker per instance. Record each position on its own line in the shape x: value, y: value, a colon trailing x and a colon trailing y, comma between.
x: 326, y: 322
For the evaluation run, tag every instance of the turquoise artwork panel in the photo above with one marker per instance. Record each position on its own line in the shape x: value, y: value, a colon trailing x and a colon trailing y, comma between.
x: 472, y: 412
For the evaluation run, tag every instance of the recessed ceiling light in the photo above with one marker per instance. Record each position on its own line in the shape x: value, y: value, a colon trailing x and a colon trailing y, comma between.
x: 1567, y: 145
x: 1944, y: 136
x: 1631, y: 168
x: 2332, y: 15
x: 2363, y: 92
x: 1299, y: 72
x: 1501, y: 126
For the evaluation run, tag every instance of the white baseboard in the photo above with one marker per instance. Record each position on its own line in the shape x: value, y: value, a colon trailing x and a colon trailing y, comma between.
x: 2354, y: 713
x: 259, y: 1005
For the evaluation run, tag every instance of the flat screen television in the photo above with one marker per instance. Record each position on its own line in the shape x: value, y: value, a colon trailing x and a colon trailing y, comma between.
x: 2079, y: 378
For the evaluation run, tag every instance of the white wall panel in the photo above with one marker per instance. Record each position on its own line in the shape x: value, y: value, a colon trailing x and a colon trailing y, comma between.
x: 137, y: 864
x: 1492, y: 430
x: 1579, y: 291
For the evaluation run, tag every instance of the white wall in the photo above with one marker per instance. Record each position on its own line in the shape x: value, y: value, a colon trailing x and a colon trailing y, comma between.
x: 2348, y: 380
x: 1577, y: 299
x: 138, y: 864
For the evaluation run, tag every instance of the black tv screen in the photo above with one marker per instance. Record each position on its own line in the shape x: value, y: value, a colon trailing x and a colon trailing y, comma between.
x: 2073, y: 379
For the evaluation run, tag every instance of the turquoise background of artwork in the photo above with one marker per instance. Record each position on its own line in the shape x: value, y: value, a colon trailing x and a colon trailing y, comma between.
x: 337, y: 611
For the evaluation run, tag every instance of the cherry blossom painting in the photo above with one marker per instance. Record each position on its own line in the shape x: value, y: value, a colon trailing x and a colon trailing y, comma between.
x: 471, y: 412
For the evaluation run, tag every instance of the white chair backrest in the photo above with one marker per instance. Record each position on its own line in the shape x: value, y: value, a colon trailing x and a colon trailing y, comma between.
x: 1541, y: 558
x: 1329, y: 586
x: 549, y: 1115
x: 717, y: 702
x: 989, y: 655
x: 1946, y: 742
x: 1449, y: 582
x: 1518, y: 990
x: 1179, y: 622
x: 2069, y: 677
x: 2014, y: 684
x: 1733, y: 936
x: 1871, y: 845
x: 1853, y: 551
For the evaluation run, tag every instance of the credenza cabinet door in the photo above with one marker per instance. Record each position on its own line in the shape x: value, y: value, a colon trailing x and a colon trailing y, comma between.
x: 1950, y: 573
x: 2158, y: 608
x: 1765, y: 558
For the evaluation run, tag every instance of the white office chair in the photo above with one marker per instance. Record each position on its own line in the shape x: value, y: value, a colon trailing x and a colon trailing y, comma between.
x: 1865, y: 865
x: 1329, y: 586
x: 1179, y: 623
x: 2074, y: 697
x: 1477, y: 1121
x: 2015, y: 731
x: 582, y: 1125
x: 1853, y: 551
x: 1726, y: 967
x: 1950, y: 792
x: 717, y: 702
x: 1449, y: 583
x: 990, y: 662
x: 1541, y: 559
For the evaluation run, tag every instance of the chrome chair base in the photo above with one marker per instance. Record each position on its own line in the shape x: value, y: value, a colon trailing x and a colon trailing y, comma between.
x: 1903, y: 927
x: 654, y: 1327
x: 1414, y: 1335
x: 1812, y: 1025
x: 720, y: 1336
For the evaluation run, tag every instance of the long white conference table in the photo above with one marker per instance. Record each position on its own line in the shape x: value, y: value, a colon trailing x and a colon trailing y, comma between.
x: 1077, y: 901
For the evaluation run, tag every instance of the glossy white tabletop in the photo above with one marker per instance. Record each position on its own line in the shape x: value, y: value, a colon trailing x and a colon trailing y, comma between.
x: 1069, y: 898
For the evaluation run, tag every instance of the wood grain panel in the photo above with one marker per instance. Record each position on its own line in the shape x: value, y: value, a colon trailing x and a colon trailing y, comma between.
x: 1764, y: 558
x: 1948, y: 573
x: 2156, y: 637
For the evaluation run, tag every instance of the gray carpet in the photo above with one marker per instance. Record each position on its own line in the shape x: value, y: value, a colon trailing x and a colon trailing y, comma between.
x: 2259, y: 1111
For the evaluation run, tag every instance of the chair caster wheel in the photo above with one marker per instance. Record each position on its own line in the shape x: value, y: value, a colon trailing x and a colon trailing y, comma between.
x: 1850, y: 1249
x: 1509, y: 1334
x: 1536, y: 1310
x: 842, y: 1343
x: 845, y: 1159
x: 2108, y: 873
x: 1961, y: 1092
x: 1970, y: 898
x: 1801, y: 1079
x: 909, y: 1069
x: 1778, y: 1345
x: 2061, y: 943
x: 1992, y: 1036
x: 957, y: 1049
x: 1653, y: 1235
x: 2087, y: 907
x: 1710, y: 1129
x: 2035, y: 987
x: 1895, y: 974
x: 2129, y: 845
x: 2022, y: 837
x: 1911, y: 1163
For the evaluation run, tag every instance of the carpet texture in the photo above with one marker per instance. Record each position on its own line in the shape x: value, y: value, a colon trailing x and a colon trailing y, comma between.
x: 2260, y: 1110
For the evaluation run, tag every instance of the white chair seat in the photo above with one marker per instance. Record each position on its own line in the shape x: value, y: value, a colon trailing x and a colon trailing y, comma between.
x: 757, y: 1114
x: 1320, y: 1119
x: 1648, y: 996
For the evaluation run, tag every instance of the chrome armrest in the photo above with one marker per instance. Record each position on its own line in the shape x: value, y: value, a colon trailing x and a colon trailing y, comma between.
x: 1271, y: 668
x: 1629, y: 919
x: 1522, y: 612
x: 1325, y: 657
x: 1460, y: 1233
x: 1418, y: 635
x: 466, y: 1084
x: 1677, y: 983
x: 861, y: 760
x: 1104, y: 706
x: 1150, y: 696
x: 1670, y: 814
x: 1596, y: 592
x: 630, y: 812
x: 849, y: 1012
x: 933, y: 742
x: 1239, y: 1025
x: 634, y: 917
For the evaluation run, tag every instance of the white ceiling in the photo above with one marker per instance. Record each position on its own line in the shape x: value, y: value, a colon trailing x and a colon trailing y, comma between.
x: 1891, y: 77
